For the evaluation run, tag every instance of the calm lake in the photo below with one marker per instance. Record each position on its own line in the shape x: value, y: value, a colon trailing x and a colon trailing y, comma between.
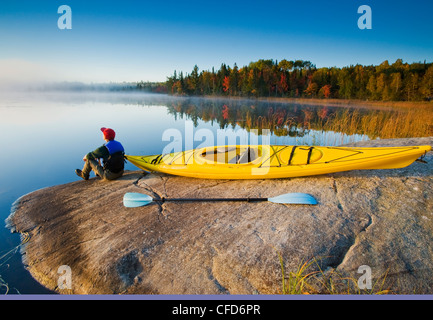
x: 45, y: 135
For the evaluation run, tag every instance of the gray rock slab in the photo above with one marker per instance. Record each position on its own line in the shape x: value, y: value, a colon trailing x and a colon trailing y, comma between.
x: 382, y: 219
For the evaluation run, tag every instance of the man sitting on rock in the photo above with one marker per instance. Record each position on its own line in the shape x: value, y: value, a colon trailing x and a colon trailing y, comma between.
x: 112, y: 154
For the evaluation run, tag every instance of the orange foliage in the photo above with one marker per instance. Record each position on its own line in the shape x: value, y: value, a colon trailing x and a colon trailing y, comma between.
x: 226, y: 83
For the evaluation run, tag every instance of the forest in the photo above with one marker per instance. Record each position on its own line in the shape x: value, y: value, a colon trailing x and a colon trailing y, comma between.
x: 398, y: 81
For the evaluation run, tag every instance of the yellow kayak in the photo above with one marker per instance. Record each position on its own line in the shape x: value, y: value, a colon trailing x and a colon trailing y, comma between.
x: 276, y: 161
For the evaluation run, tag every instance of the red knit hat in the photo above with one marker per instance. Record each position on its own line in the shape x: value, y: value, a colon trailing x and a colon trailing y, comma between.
x: 108, y: 133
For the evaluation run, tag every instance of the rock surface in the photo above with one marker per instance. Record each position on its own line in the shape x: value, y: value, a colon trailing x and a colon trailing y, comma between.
x: 379, y: 218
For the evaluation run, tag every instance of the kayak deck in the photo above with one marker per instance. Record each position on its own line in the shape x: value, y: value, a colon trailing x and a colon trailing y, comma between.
x: 276, y: 161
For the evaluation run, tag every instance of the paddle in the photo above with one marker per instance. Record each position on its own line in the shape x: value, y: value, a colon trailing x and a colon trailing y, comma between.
x: 133, y: 199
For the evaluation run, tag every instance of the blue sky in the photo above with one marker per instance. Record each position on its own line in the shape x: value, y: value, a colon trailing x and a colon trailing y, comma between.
x: 148, y: 40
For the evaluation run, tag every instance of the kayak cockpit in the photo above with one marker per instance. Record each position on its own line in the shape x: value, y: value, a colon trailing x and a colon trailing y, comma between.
x: 231, y: 154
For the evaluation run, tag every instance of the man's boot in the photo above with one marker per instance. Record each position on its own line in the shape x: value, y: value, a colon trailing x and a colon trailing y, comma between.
x: 81, y: 175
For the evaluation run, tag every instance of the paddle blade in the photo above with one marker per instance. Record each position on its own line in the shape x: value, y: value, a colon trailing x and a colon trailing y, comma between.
x: 133, y: 200
x: 294, y: 198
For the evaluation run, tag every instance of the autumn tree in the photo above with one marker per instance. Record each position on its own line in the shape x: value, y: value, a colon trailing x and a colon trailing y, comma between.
x: 283, y: 87
x: 396, y: 85
x: 325, y: 91
x: 226, y: 83
x: 381, y: 81
x: 427, y: 84
x: 345, y: 84
x: 371, y: 88
x: 286, y: 66
x: 311, y: 90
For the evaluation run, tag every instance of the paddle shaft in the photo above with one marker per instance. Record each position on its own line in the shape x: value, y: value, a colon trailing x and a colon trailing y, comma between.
x: 134, y: 199
x: 211, y: 199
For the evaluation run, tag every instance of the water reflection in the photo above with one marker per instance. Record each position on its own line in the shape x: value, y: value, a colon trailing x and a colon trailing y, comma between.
x: 340, y: 124
x: 320, y: 125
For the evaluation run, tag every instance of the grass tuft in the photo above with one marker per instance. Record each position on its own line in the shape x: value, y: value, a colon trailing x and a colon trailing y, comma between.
x: 309, y: 278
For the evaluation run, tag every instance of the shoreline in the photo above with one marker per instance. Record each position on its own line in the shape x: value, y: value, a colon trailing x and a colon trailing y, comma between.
x: 327, y: 102
x: 303, y: 101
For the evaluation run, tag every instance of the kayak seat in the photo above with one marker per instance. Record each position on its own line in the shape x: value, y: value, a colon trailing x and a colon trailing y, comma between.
x: 247, y: 156
x: 231, y: 155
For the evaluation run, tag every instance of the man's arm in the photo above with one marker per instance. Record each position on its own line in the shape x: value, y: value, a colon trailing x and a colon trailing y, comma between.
x: 101, y: 152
